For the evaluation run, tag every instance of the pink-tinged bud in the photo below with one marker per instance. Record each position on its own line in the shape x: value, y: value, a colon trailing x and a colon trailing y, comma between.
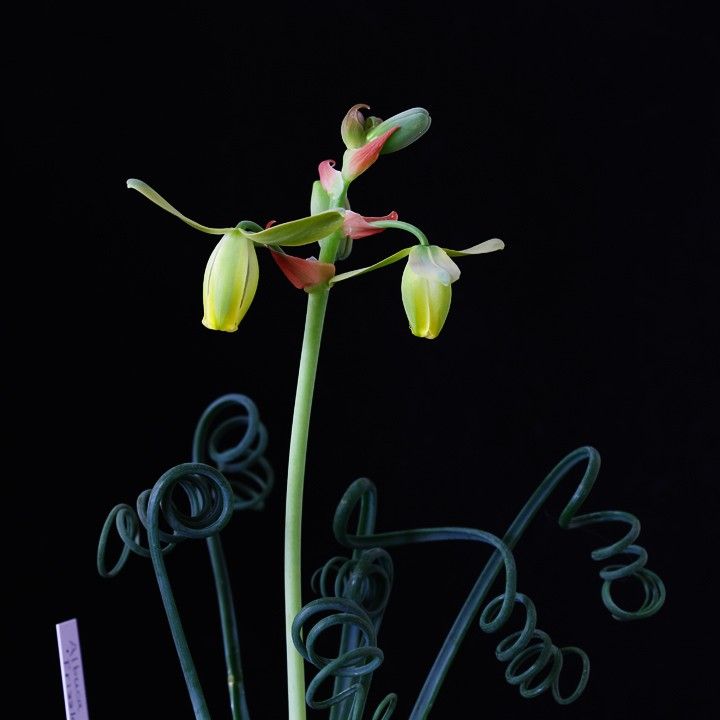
x: 303, y: 273
x: 353, y: 127
x: 357, y: 226
x: 330, y: 179
x: 356, y: 162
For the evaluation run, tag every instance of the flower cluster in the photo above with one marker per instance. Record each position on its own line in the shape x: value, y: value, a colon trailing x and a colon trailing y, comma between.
x: 232, y: 272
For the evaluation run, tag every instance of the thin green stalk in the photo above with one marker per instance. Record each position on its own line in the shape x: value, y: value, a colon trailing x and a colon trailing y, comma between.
x: 317, y: 302
x: 407, y: 227
x: 223, y: 589
x: 228, y: 621
x: 160, y: 496
x: 314, y: 319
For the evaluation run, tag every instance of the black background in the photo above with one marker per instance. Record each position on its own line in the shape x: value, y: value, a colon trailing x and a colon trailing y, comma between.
x: 583, y: 134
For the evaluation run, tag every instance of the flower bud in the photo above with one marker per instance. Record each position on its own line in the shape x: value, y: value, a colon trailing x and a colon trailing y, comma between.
x: 231, y: 278
x: 412, y: 124
x: 426, y: 291
x: 353, y: 127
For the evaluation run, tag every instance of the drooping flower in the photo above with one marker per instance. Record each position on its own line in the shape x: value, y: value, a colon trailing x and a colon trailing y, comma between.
x: 230, y: 282
x: 426, y: 291
x: 231, y: 274
x: 426, y: 281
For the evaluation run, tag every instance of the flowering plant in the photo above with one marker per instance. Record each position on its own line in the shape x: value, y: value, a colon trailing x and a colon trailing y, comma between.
x: 228, y: 475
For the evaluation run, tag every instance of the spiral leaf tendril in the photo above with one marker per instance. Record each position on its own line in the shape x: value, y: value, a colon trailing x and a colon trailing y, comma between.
x: 355, y: 593
x: 355, y: 599
x: 227, y: 474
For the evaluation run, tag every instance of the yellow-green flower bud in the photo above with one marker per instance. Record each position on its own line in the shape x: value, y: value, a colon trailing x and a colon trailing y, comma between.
x: 231, y: 278
x: 426, y: 291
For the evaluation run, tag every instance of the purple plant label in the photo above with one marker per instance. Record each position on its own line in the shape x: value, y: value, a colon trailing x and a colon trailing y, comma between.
x: 72, y: 670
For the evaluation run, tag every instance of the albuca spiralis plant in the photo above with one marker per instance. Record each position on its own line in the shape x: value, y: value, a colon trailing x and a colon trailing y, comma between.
x: 226, y: 475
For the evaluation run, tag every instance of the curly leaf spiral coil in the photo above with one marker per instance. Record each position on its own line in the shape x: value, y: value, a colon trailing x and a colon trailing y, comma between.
x: 355, y: 593
x: 209, y: 496
x: 229, y: 472
x: 243, y: 463
x: 534, y: 663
